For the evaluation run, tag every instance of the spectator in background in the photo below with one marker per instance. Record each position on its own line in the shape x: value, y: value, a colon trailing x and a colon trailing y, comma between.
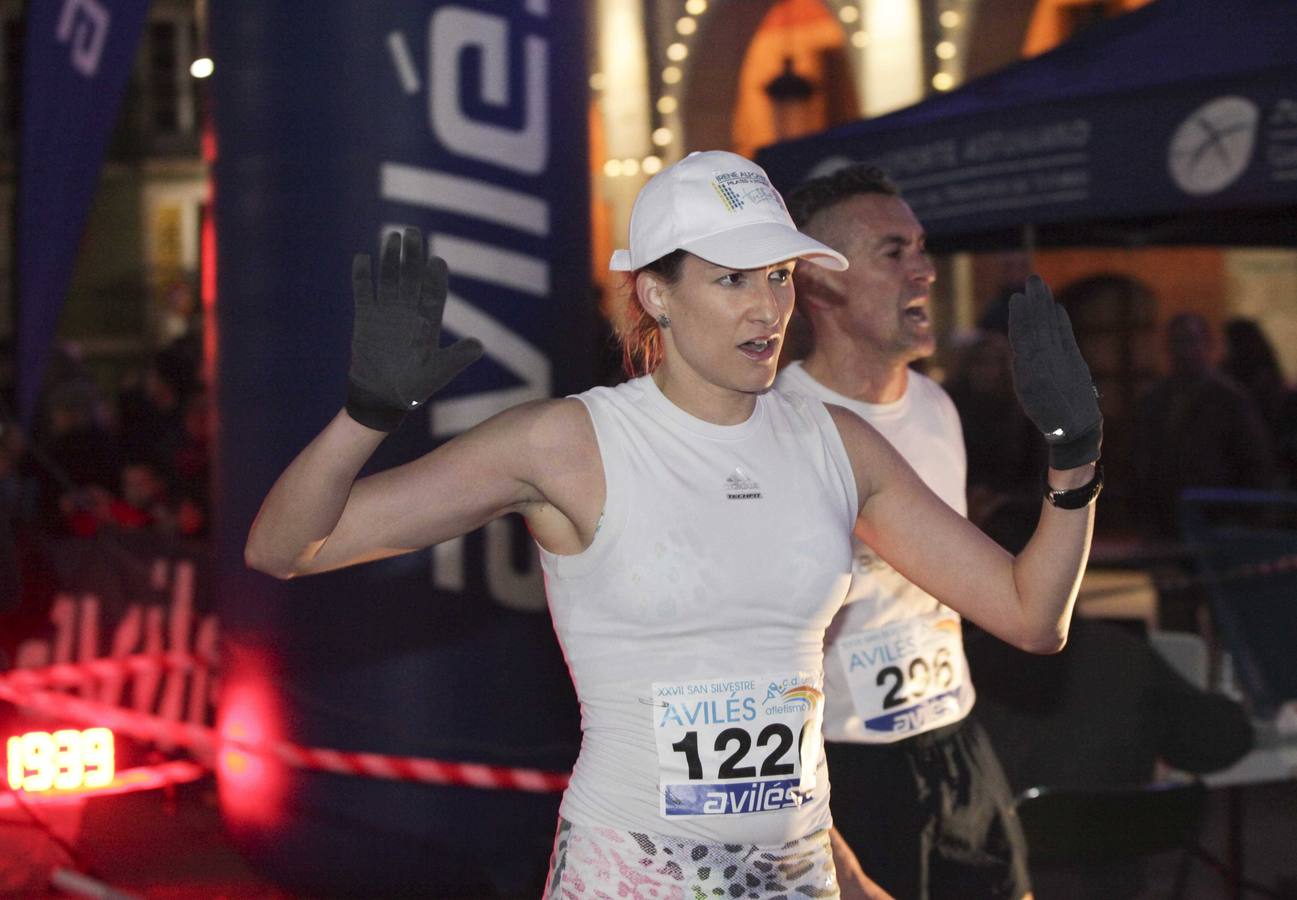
x: 1103, y: 712
x: 79, y: 456
x: 1196, y: 428
x: 10, y: 573
x: 1251, y: 361
x: 18, y: 491
x: 191, y: 465
x: 143, y: 501
x: 152, y: 410
x: 1005, y: 452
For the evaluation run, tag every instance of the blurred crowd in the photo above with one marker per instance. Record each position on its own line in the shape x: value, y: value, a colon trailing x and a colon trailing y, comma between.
x: 96, y: 461
x: 137, y: 458
x: 1222, y: 416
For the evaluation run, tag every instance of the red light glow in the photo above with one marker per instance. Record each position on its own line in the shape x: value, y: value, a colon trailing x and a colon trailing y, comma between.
x: 251, y: 785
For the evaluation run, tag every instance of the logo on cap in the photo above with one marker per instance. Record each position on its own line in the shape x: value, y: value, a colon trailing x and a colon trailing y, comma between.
x: 739, y: 189
x: 729, y: 196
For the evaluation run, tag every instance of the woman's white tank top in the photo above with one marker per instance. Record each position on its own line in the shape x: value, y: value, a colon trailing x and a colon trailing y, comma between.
x: 693, y: 625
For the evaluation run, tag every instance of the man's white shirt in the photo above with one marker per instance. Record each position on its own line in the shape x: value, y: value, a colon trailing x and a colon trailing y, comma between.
x: 894, y: 663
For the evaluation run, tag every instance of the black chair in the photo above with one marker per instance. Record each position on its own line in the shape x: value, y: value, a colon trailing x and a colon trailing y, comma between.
x: 1244, y: 543
x: 1245, y: 546
x: 1115, y: 830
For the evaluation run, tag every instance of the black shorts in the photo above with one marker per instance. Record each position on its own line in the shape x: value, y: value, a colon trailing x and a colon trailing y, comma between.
x: 930, y: 817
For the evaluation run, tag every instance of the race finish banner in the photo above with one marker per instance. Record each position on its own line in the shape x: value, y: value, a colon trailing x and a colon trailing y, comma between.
x: 114, y: 597
x: 333, y: 127
x: 111, y: 628
x: 1145, y: 165
x: 77, y: 59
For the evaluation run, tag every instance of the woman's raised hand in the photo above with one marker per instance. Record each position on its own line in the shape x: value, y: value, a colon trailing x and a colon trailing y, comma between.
x: 397, y: 362
x: 1051, y: 379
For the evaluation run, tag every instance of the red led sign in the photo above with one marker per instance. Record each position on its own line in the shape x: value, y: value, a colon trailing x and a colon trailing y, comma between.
x: 64, y: 760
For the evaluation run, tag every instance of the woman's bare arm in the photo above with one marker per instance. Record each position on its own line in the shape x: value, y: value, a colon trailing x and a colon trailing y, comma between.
x: 317, y: 517
x: 1026, y: 601
x: 540, y: 459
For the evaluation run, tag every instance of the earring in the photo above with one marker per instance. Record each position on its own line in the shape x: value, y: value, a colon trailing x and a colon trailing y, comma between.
x: 663, y: 321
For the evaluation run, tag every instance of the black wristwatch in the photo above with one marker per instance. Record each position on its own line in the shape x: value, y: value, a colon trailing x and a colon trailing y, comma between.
x: 1079, y: 497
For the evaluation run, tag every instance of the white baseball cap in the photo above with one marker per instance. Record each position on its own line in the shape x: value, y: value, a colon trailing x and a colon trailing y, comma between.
x: 722, y: 208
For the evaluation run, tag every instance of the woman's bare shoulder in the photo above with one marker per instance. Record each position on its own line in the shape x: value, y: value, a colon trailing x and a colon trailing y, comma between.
x: 557, y: 422
x: 543, y: 436
x: 857, y: 434
x: 556, y: 453
x: 872, y: 457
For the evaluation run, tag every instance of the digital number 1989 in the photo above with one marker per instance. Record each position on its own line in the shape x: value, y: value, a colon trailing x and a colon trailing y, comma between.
x: 61, y: 760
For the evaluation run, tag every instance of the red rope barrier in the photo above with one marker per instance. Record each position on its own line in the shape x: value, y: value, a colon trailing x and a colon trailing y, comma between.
x: 31, y: 689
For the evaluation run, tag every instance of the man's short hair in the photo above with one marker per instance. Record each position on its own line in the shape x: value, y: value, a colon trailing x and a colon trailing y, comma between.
x: 818, y: 194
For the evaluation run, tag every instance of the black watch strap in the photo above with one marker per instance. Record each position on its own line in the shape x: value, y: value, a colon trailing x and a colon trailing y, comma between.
x: 1080, y: 497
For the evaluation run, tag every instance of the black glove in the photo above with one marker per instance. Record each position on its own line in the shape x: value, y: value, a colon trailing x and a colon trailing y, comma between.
x: 396, y: 363
x: 1051, y: 379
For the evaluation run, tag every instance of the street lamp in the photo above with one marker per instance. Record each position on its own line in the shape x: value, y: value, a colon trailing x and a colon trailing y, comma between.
x: 790, y: 96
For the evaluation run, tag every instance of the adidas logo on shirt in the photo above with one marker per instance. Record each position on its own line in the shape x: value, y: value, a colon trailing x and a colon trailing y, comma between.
x: 740, y: 487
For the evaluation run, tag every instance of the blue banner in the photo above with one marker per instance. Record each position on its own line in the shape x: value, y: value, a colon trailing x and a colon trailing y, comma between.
x: 77, y: 59
x: 334, y: 124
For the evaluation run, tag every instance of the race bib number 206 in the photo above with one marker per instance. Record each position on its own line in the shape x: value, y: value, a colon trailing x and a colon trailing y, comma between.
x: 906, y: 677
x: 743, y: 745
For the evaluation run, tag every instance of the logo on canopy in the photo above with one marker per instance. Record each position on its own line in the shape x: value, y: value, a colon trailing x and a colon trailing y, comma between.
x: 1213, y: 146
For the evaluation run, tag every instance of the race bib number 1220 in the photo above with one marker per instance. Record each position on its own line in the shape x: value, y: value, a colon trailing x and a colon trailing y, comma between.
x: 742, y: 745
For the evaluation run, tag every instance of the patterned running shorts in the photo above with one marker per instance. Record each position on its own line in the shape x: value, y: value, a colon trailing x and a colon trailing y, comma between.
x: 593, y: 863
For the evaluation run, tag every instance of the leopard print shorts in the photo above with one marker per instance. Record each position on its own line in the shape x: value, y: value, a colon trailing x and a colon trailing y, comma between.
x: 593, y: 863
